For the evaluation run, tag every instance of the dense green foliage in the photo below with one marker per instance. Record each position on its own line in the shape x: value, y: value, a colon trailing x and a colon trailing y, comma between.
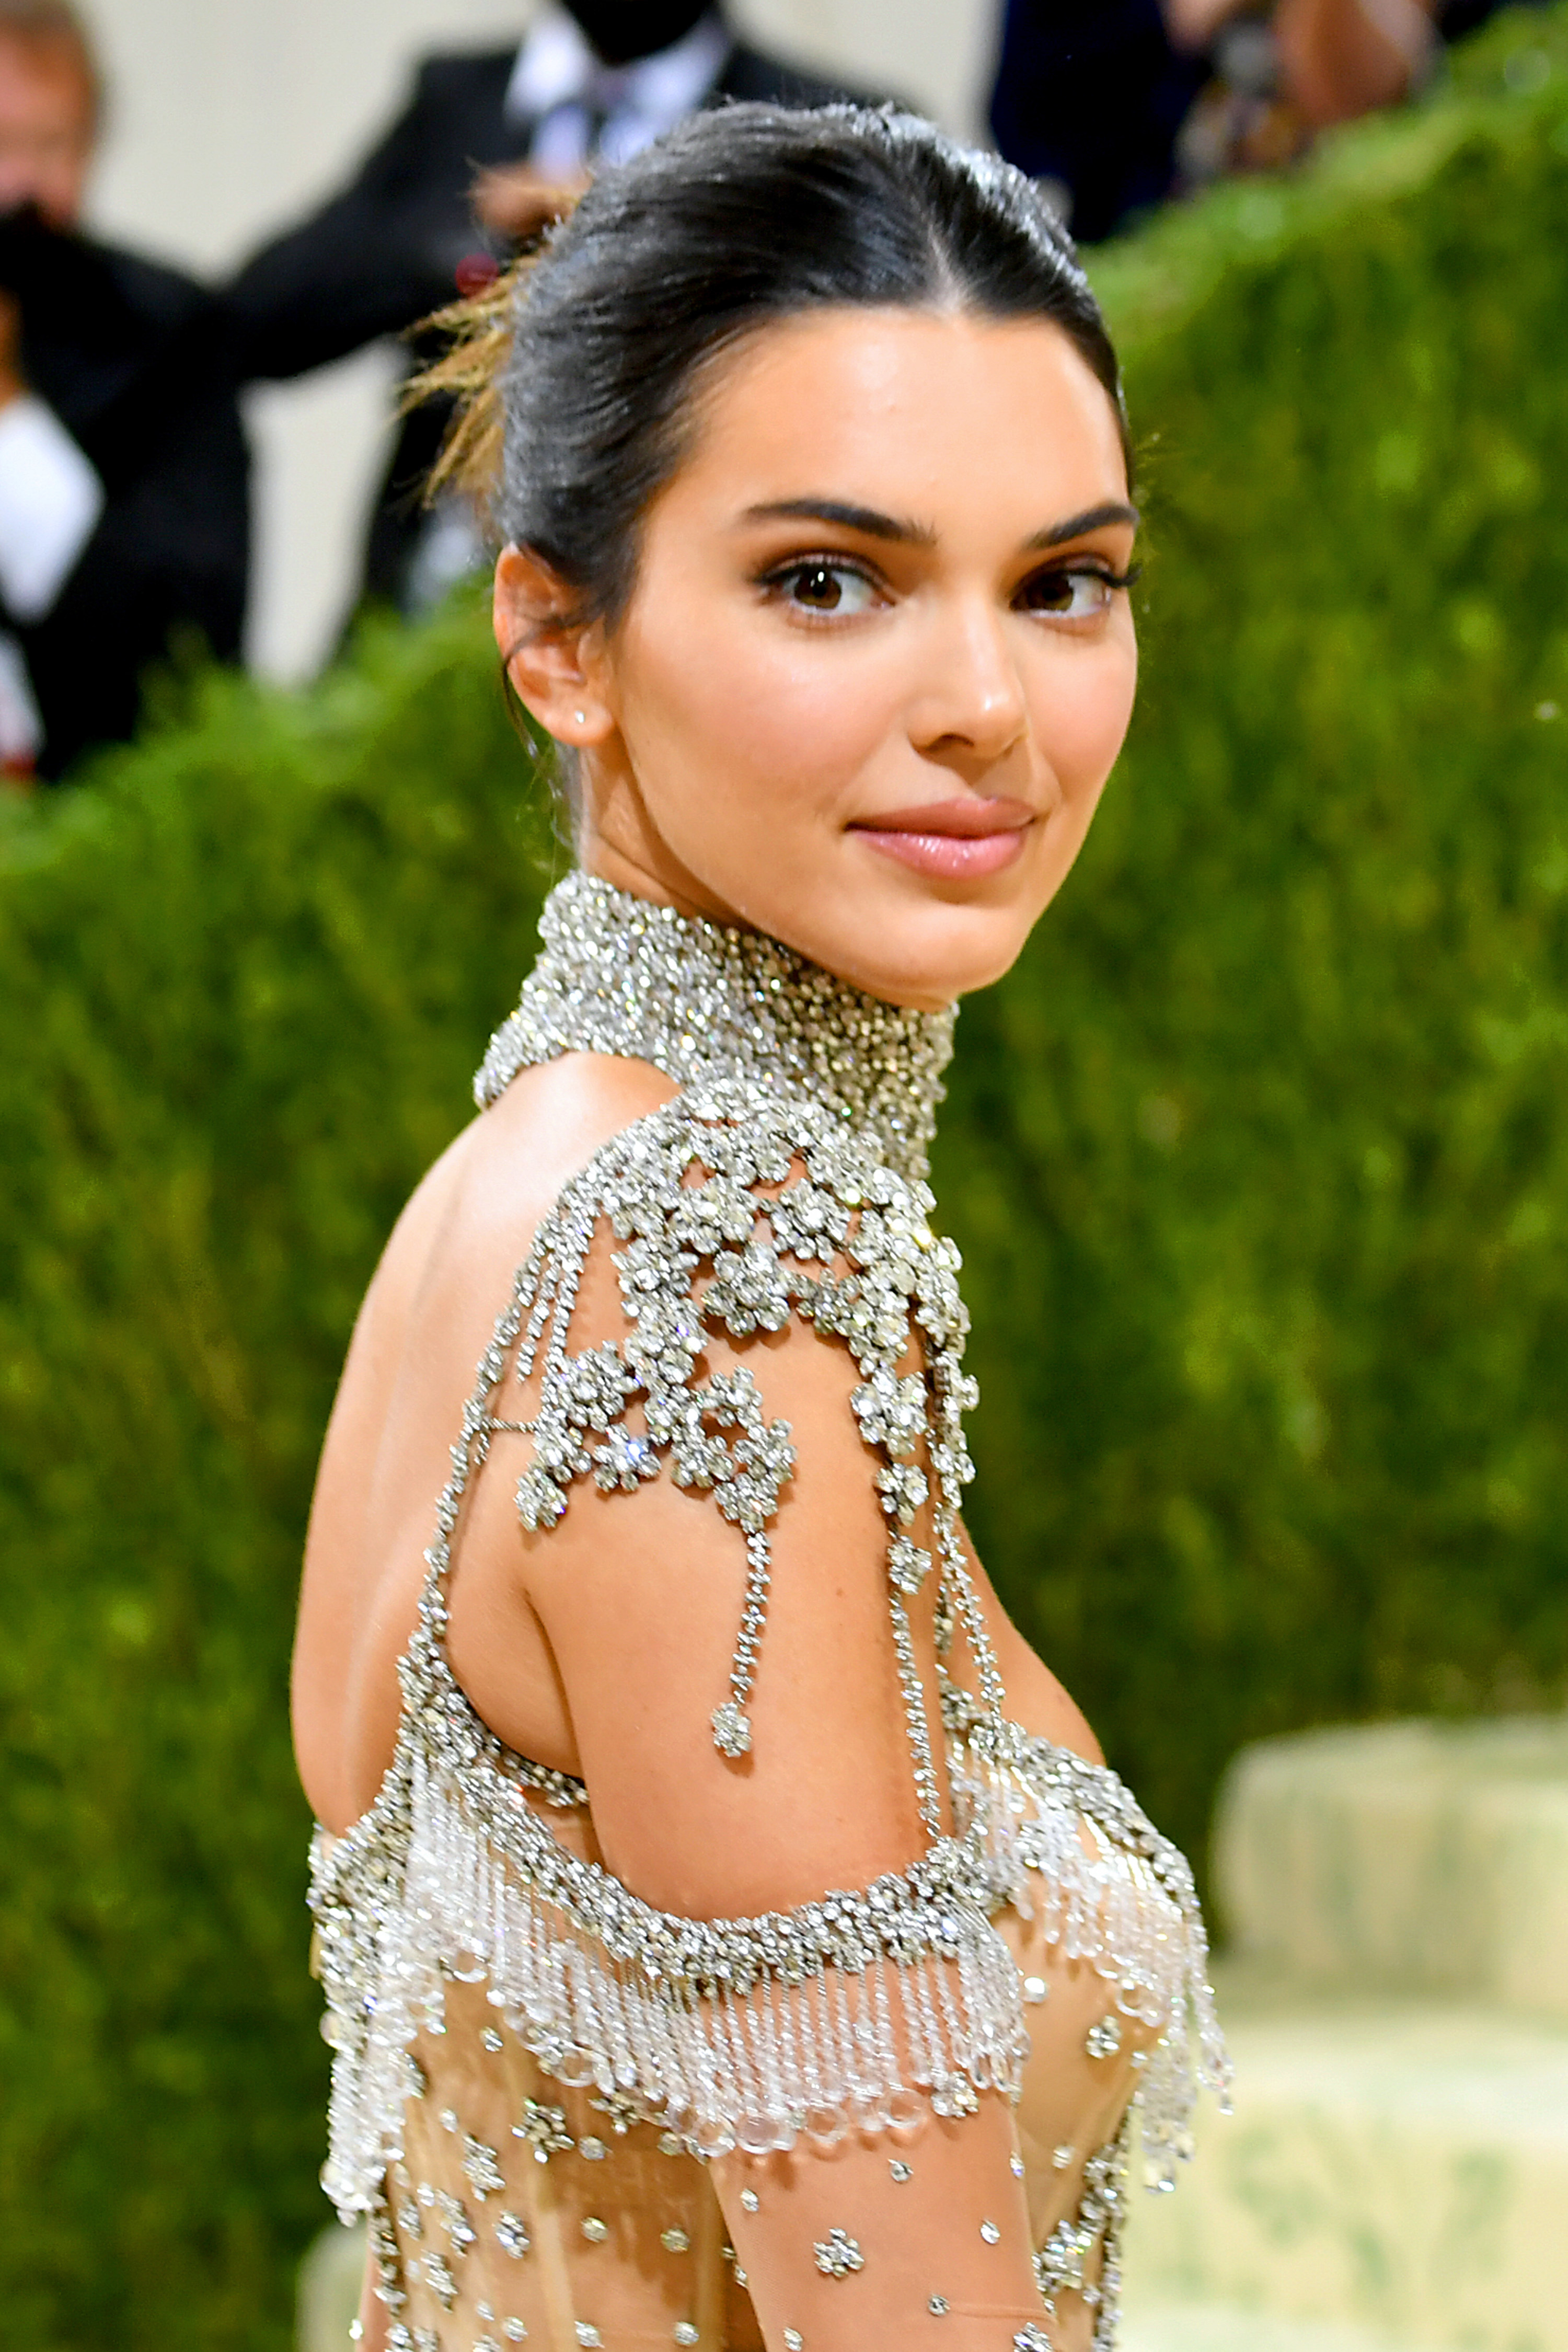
x: 244, y: 973
x: 1258, y: 1161
x: 1260, y: 1157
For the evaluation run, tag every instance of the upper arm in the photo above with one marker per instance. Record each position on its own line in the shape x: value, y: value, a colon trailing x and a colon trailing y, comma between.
x: 746, y: 1407
x: 760, y: 1355
x: 370, y: 261
x: 642, y: 1595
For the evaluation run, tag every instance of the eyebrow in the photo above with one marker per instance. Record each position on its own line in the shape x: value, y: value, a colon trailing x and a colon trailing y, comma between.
x: 865, y: 520
x: 903, y: 531
x: 1079, y: 526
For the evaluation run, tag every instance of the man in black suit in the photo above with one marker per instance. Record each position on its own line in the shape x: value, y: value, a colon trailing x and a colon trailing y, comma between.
x: 124, y: 476
x: 592, y: 82
x: 1119, y: 102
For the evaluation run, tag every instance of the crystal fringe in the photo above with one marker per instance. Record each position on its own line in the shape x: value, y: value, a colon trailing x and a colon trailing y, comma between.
x: 856, y: 2012
x: 1067, y: 1840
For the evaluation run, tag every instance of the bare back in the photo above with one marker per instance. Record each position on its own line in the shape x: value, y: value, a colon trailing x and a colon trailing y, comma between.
x: 424, y: 1322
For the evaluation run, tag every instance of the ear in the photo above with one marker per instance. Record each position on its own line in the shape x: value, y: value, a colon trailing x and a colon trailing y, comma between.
x: 557, y: 667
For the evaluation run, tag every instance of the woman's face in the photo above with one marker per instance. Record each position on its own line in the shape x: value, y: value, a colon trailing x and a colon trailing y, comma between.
x: 878, y: 661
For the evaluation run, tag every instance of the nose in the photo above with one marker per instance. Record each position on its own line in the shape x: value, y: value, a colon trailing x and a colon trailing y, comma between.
x: 969, y: 708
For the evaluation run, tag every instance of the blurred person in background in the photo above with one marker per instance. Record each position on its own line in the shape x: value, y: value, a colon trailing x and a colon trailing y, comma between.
x: 594, y: 80
x: 124, y: 477
x: 1120, y: 103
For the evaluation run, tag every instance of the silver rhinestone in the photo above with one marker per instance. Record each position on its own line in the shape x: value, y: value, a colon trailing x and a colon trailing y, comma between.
x: 1062, y: 2157
x: 490, y: 2040
x: 514, y: 2331
x: 1015, y: 2167
x: 837, y: 2255
x: 675, y: 2241
x: 732, y: 1731
x: 670, y: 2144
x: 793, y: 2340
x: 938, y: 2307
x: 592, y: 2150
x: 1035, y: 1990
x: 990, y: 2233
x: 685, y: 2334
x: 595, y: 2231
x: 1104, y: 2040
x: 588, y: 2337
x: 750, y: 2200
x: 899, y: 2169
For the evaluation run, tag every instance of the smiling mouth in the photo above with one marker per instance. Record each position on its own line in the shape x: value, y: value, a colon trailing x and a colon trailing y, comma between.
x: 958, y: 839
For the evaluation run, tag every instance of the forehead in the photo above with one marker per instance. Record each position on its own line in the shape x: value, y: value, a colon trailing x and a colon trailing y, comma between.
x: 904, y: 409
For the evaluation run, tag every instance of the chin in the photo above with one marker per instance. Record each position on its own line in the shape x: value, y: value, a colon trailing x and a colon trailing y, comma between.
x: 929, y: 964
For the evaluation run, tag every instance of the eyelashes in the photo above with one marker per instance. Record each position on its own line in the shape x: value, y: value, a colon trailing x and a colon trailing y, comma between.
x: 1063, y: 580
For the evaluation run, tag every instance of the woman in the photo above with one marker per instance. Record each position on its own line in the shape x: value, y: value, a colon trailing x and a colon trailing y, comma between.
x: 814, y: 490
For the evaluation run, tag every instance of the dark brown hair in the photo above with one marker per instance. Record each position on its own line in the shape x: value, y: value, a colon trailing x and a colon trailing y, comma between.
x: 574, y: 372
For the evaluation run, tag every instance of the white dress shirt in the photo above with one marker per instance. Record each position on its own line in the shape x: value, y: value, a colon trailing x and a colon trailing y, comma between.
x: 50, y: 500
x: 584, y: 112
x: 21, y: 729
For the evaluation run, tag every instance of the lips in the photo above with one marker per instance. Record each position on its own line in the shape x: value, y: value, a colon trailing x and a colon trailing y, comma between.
x: 962, y: 840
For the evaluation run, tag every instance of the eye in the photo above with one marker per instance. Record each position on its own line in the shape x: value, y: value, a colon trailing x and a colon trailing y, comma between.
x: 819, y: 586
x: 1073, y: 593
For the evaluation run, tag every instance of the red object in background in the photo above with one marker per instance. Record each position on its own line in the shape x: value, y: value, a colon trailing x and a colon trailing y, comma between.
x: 475, y: 272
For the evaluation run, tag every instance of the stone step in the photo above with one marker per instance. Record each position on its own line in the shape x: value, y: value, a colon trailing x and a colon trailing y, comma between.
x: 330, y: 2278
x: 1216, y: 2328
x: 1413, y: 1858
x: 1403, y: 2171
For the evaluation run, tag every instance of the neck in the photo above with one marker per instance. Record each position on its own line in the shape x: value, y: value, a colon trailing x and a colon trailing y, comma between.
x: 702, y: 1002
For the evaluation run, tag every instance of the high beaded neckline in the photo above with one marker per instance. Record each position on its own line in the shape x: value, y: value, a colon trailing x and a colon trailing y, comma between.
x: 618, y: 974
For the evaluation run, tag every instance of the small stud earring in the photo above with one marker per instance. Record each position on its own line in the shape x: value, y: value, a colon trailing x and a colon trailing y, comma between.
x: 581, y: 717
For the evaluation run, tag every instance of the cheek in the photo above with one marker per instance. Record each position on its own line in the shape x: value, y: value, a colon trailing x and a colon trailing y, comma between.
x: 1080, y: 703
x: 755, y: 697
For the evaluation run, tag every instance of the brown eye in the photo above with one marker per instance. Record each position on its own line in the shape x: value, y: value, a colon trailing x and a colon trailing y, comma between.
x: 1076, y: 595
x: 819, y: 587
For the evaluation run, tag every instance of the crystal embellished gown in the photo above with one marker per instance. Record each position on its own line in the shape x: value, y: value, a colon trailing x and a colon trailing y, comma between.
x: 575, y: 2120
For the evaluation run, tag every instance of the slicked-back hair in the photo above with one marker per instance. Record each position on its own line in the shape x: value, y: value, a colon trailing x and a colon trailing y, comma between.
x: 577, y: 373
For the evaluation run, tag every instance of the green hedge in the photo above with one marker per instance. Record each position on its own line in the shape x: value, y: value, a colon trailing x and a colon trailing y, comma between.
x: 245, y: 974
x: 1258, y: 1162
x: 1268, y: 1239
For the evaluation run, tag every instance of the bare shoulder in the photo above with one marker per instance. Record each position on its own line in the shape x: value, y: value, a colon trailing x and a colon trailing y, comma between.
x: 482, y: 1200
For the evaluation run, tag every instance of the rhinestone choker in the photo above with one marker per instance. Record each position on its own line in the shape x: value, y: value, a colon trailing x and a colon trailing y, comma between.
x: 618, y: 974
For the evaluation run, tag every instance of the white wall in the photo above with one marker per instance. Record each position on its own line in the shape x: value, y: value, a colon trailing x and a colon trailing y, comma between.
x: 229, y: 116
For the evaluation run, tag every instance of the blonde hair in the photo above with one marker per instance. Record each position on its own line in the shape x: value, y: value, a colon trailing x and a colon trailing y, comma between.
x: 470, y: 372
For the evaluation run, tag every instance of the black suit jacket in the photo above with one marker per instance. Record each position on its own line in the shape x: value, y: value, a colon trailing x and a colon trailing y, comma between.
x: 384, y: 254
x: 129, y: 355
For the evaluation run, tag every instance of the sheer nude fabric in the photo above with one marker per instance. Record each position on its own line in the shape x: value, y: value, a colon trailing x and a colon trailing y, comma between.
x: 524, y: 2210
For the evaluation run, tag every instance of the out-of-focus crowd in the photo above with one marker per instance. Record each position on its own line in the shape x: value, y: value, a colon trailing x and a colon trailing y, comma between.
x: 124, y: 473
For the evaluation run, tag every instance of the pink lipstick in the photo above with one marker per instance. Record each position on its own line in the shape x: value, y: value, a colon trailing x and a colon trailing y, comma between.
x: 961, y: 840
